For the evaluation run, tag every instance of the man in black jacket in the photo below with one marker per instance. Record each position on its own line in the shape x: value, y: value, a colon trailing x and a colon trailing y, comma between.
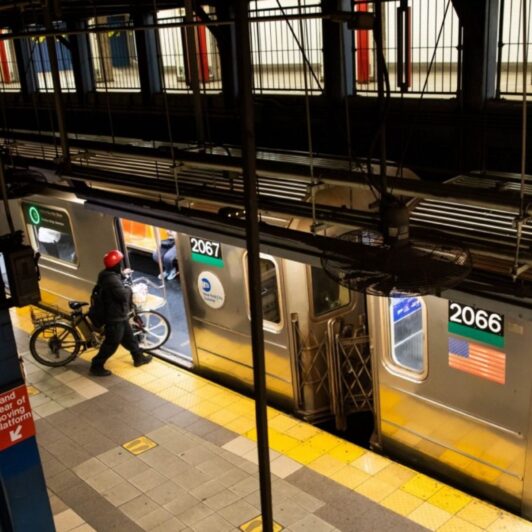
x: 117, y: 299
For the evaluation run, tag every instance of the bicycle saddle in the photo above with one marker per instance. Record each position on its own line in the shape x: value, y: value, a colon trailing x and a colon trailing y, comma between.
x: 76, y: 305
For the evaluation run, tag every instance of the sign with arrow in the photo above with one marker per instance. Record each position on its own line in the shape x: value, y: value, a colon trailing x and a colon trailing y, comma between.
x: 16, y: 419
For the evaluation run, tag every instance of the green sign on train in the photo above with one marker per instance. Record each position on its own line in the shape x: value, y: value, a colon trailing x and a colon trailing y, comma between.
x: 206, y: 251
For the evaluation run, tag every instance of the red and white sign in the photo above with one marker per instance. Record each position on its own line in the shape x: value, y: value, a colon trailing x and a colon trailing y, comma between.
x: 16, y: 419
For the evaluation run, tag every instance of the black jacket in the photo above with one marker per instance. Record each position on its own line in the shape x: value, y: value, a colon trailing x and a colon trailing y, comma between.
x: 116, y: 296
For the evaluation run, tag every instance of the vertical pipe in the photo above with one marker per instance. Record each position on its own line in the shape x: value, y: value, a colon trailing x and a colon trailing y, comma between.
x: 56, y: 81
x: 379, y: 45
x: 252, y: 237
x: 192, y: 59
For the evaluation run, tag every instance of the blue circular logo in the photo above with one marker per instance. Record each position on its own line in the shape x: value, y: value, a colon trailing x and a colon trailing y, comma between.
x: 205, y: 284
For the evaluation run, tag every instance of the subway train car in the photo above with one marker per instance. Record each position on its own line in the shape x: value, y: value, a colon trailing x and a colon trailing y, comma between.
x: 448, y: 378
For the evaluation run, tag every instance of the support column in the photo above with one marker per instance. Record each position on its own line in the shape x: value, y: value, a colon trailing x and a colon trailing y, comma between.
x: 479, y: 19
x: 81, y: 60
x: 335, y: 36
x: 24, y: 503
x: 149, y: 69
x: 26, y: 69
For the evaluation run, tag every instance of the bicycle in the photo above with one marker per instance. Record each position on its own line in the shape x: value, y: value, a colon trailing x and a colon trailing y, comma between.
x: 59, y: 339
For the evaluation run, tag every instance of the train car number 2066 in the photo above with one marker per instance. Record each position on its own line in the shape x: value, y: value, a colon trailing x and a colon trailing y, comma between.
x: 477, y: 318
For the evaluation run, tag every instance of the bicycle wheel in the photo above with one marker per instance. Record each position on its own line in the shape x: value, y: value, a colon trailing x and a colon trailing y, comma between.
x: 55, y: 344
x: 151, y: 328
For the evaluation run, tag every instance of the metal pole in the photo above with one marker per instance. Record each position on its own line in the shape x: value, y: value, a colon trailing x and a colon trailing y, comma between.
x: 193, y: 75
x: 252, y: 237
x: 58, y: 98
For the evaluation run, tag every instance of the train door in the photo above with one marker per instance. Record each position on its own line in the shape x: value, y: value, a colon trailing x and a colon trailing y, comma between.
x: 152, y: 254
x: 454, y: 385
x: 215, y: 280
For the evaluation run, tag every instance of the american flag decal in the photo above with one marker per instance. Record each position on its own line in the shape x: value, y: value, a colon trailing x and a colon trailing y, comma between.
x: 478, y: 360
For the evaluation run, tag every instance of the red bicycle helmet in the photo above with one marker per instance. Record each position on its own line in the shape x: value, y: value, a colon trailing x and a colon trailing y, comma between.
x: 112, y: 258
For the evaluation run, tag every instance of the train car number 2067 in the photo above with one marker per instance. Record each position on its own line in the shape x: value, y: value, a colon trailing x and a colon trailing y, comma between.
x: 206, y: 251
x: 477, y: 318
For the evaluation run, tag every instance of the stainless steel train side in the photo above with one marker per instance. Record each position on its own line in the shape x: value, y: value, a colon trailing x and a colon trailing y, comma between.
x: 464, y: 415
x: 71, y: 240
x: 295, y: 334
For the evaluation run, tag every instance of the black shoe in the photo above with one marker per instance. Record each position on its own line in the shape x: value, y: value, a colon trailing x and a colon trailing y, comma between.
x: 99, y: 372
x: 141, y: 360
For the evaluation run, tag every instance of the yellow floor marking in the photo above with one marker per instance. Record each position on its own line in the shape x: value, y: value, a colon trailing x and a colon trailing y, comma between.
x: 510, y: 523
x: 346, y: 452
x: 240, y: 425
x: 139, y: 445
x: 422, y: 486
x: 204, y: 408
x: 458, y: 525
x: 326, y: 465
x: 349, y: 476
x: 401, y: 502
x: 449, y: 499
x: 375, y: 489
x: 255, y: 525
x: 479, y: 513
x: 281, y: 443
x: 430, y: 516
x: 282, y: 422
x: 371, y: 463
x: 324, y: 441
x: 302, y: 431
x: 395, y: 474
x: 304, y: 453
x: 222, y: 416
x: 32, y: 390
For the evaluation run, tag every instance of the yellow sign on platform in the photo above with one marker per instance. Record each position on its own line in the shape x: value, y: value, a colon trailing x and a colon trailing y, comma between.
x: 255, y: 525
x: 139, y: 445
x: 32, y: 390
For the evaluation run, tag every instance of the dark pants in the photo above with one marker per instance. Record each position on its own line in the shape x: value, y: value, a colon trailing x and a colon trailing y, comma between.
x: 115, y: 334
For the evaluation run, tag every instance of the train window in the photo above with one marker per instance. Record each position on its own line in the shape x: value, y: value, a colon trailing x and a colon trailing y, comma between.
x: 51, y: 232
x: 408, y: 323
x: 327, y: 295
x: 271, y: 307
x: 271, y: 310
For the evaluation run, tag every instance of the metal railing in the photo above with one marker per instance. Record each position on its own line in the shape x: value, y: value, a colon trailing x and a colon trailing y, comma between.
x: 287, y: 55
x: 40, y: 65
x: 172, y: 55
x: 114, y: 56
x: 510, y: 60
x: 422, y: 42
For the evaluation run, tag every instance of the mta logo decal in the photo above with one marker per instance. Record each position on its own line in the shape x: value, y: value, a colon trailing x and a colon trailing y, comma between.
x: 205, y: 285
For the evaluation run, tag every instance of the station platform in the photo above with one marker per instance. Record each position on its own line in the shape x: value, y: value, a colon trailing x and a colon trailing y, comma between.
x: 158, y: 448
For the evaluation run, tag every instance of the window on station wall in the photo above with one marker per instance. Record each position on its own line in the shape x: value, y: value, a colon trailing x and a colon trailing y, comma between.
x: 327, y: 294
x: 9, y: 78
x: 40, y: 61
x: 408, y: 343
x: 421, y: 49
x: 114, y: 54
x: 510, y: 80
x: 50, y: 232
x: 287, y: 54
x: 173, y: 54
